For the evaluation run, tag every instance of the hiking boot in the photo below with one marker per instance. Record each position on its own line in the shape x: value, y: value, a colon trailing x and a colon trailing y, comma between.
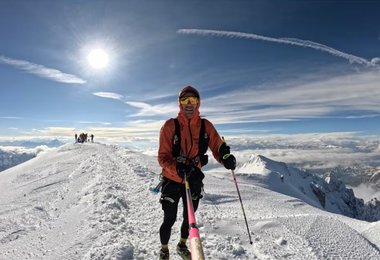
x: 183, y: 251
x: 164, y: 255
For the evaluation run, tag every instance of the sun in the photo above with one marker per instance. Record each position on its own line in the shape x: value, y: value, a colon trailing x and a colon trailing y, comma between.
x: 98, y: 59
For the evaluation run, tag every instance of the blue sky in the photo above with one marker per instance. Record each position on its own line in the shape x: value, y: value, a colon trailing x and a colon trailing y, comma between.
x: 262, y: 67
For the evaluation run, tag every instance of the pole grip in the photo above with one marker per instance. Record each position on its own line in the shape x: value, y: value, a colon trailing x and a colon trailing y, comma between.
x: 196, y: 249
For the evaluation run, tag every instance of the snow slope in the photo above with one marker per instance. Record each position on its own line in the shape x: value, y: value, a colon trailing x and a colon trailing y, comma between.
x: 92, y: 201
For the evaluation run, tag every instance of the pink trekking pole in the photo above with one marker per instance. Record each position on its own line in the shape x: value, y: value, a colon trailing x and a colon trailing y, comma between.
x: 196, y: 249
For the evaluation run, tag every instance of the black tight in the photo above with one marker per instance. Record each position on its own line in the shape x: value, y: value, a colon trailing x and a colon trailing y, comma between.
x: 171, y: 194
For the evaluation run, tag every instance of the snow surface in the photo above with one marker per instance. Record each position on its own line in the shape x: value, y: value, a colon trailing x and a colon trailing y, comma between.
x: 92, y: 201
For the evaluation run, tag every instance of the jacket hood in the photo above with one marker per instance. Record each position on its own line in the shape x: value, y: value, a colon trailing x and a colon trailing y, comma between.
x: 189, y: 89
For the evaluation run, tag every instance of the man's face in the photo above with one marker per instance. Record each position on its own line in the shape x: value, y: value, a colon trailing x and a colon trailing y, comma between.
x: 189, y: 102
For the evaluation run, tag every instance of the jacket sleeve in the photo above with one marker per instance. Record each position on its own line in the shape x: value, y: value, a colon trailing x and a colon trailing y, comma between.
x: 215, y: 140
x: 165, y: 157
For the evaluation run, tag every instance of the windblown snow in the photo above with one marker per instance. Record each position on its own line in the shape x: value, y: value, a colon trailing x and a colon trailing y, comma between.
x: 92, y: 201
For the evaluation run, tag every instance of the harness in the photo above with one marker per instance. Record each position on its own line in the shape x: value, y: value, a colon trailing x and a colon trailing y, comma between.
x: 203, y: 141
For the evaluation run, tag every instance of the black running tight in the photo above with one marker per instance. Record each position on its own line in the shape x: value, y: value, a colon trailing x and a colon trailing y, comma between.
x: 172, y: 192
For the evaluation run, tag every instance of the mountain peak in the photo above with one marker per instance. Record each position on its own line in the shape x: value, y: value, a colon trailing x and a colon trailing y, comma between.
x: 260, y: 164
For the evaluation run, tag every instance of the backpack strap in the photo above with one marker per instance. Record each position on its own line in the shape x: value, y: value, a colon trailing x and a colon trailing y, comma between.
x: 176, y: 142
x: 203, y: 139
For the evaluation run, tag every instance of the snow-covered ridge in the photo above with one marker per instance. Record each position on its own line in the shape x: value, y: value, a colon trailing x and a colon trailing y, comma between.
x: 92, y: 201
x: 72, y: 202
x: 330, y: 193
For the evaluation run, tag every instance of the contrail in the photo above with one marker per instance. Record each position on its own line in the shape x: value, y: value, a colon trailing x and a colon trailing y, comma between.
x: 292, y: 41
x: 42, y: 71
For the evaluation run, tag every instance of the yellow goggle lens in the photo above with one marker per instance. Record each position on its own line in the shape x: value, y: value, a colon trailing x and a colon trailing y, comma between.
x: 187, y: 100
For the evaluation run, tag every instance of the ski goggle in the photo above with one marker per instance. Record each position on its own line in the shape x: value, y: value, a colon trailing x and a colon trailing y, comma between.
x: 187, y: 100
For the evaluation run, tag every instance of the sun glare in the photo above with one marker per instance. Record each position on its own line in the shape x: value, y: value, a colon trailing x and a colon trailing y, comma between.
x: 98, y: 59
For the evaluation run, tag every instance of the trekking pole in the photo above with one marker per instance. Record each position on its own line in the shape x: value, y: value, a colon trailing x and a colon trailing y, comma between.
x: 242, y: 207
x: 196, y: 249
x: 156, y: 189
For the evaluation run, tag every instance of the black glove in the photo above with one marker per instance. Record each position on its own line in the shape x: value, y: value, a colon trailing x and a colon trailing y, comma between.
x: 183, y: 169
x: 203, y: 159
x: 229, y: 161
x: 195, y: 183
x: 223, y: 150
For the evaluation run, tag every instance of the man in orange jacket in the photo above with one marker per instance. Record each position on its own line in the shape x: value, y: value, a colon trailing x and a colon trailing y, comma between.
x: 188, y: 162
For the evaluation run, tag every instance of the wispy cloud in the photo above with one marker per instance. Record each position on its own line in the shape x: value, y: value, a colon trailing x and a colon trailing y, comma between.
x: 42, y: 71
x: 94, y: 123
x: 110, y: 95
x: 291, y: 41
x: 54, y: 131
x: 146, y: 109
x: 132, y: 130
x: 342, y: 96
x: 10, y: 117
x: 348, y: 96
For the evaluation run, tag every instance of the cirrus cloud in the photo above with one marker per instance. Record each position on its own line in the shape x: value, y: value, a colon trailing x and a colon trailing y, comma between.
x: 42, y: 71
x: 110, y: 95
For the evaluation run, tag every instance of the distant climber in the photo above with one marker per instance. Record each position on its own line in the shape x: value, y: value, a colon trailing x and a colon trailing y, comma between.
x: 82, y: 138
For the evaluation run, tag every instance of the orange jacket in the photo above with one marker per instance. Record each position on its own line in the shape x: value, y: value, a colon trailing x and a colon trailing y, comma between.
x: 190, y: 129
